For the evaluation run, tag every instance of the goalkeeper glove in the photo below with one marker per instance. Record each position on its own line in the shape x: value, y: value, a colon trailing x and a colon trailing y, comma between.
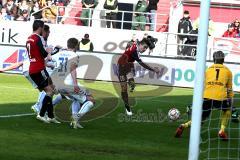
x: 235, y: 116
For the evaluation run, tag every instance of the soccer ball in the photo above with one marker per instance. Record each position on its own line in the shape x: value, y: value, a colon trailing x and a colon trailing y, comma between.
x: 173, y: 114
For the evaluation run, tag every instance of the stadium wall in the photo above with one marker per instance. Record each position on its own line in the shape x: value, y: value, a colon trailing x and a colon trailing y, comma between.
x: 104, y: 40
x: 110, y: 40
x: 103, y: 66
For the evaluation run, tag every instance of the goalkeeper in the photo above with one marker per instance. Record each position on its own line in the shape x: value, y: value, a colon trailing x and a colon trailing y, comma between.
x: 217, y: 94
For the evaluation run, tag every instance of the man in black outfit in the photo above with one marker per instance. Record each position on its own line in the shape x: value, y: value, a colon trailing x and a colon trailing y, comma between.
x: 111, y: 7
x: 184, y: 27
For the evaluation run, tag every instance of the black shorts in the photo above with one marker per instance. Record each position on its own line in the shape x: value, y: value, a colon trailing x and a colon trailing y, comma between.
x: 41, y: 79
x: 210, y: 104
x: 125, y: 71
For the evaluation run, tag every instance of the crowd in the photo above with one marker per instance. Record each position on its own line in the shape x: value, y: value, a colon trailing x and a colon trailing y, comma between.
x: 144, y: 13
x: 233, y: 30
x: 53, y: 11
x: 187, y: 31
x: 23, y: 10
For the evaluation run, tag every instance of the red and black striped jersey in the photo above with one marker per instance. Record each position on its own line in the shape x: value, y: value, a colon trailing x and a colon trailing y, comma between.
x: 36, y: 53
x: 131, y: 54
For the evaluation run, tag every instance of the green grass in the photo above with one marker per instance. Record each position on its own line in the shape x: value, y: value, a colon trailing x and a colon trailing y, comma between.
x: 109, y: 137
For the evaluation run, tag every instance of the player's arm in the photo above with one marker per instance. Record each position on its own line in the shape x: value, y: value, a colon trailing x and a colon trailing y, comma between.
x: 136, y: 57
x: 145, y: 66
x: 73, y: 72
x: 56, y: 50
x: 11, y: 67
x: 230, y: 93
x: 42, y: 49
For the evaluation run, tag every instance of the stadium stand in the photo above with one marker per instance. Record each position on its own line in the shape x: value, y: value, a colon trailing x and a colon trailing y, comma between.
x: 75, y: 8
x: 163, y: 16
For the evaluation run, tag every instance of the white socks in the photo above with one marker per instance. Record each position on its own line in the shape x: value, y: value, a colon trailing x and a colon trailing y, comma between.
x: 85, y: 108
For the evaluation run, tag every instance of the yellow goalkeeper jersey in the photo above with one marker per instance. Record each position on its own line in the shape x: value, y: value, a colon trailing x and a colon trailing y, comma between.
x: 218, y: 83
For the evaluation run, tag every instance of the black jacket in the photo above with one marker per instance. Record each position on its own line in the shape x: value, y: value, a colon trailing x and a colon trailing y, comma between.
x: 184, y: 26
x: 106, y: 6
x: 152, y: 5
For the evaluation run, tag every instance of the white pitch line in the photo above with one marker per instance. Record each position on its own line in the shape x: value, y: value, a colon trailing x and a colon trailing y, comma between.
x: 16, y: 115
x: 16, y: 87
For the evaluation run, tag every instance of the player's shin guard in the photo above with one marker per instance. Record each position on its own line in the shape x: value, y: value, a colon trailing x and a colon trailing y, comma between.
x: 50, y: 109
x: 131, y: 84
x: 125, y: 100
x: 45, y: 104
x: 86, y: 107
x: 57, y: 99
x: 187, y: 124
x: 224, y: 119
x: 39, y: 103
x: 235, y: 115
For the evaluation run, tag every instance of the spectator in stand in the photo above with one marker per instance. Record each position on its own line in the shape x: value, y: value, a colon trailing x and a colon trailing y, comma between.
x: 184, y: 27
x: 211, y: 26
x: 36, y: 10
x: 3, y: 15
x: 61, y: 2
x: 49, y: 14
x: 85, y: 44
x: 152, y: 8
x: 230, y: 32
x: 24, y: 16
x: 111, y: 7
x: 60, y: 11
x: 23, y: 6
x: 42, y: 3
x: 86, y: 15
x: 15, y: 13
x: 236, y: 26
x: 140, y: 17
x: 11, y: 9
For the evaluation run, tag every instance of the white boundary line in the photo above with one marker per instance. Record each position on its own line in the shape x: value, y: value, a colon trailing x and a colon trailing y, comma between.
x: 16, y: 87
x: 17, y: 115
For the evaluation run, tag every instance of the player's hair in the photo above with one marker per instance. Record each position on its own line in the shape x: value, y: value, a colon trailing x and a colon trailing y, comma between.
x: 149, y: 41
x: 72, y: 43
x: 218, y: 57
x: 46, y: 28
x: 37, y: 24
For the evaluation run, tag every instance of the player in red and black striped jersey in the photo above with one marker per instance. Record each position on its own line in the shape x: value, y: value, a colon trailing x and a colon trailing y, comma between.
x: 37, y: 70
x: 126, y: 69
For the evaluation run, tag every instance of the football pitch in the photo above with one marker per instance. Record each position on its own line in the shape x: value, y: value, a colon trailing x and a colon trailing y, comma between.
x: 107, y: 135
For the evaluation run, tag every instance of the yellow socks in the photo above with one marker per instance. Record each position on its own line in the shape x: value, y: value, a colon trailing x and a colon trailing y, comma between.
x: 224, y: 119
x: 187, y: 124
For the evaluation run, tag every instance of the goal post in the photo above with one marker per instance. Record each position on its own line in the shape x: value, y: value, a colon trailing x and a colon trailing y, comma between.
x: 194, y: 142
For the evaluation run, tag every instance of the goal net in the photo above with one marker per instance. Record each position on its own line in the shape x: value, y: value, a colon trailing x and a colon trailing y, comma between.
x: 224, y: 36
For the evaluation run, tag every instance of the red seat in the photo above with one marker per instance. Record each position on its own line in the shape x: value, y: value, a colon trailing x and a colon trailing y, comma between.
x: 163, y: 20
x: 74, y: 12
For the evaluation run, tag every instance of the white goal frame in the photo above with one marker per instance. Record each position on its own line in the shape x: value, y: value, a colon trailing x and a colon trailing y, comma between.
x: 199, y: 81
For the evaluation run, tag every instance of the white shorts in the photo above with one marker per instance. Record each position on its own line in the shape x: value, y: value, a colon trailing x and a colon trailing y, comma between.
x: 77, y: 97
x: 69, y: 93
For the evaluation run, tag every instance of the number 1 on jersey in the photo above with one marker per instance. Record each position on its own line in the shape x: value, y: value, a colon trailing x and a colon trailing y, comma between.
x: 217, y: 74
